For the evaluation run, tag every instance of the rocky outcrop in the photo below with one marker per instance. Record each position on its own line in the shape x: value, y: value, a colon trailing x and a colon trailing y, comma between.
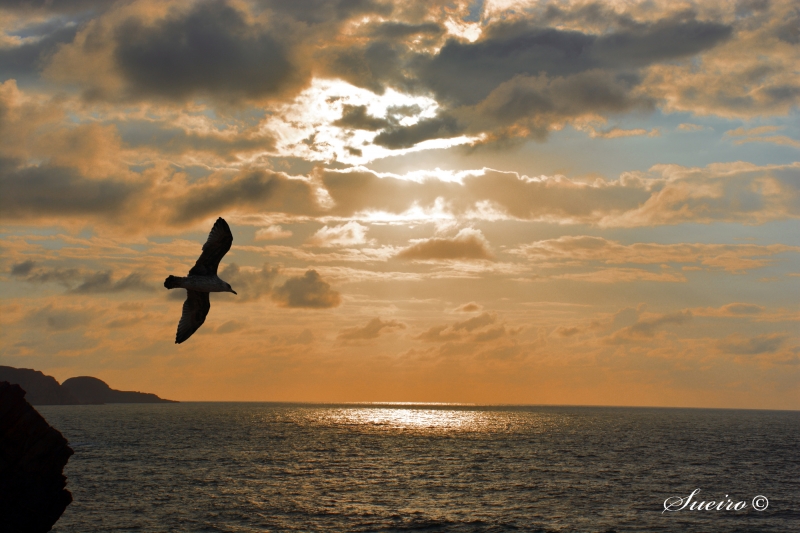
x: 45, y: 390
x: 92, y: 390
x: 33, y: 492
x: 40, y: 389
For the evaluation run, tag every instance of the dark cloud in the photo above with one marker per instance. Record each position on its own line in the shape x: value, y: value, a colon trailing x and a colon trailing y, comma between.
x: 465, y: 73
x: 737, y: 345
x: 374, y: 66
x: 308, y: 291
x: 257, y: 189
x: 209, y: 50
x: 29, y: 271
x: 567, y: 331
x: 248, y: 284
x: 470, y: 307
x: 55, y: 6
x: 441, y: 127
x: 80, y: 281
x: 371, y: 330
x: 743, y: 309
x: 467, y: 245
x: 400, y: 30
x: 60, y: 191
x: 355, y: 117
x: 646, y: 328
x: 102, y: 282
x: 475, y: 329
x: 538, y: 102
x: 60, y: 319
x: 22, y: 269
x: 321, y: 11
x: 171, y: 139
x: 27, y: 59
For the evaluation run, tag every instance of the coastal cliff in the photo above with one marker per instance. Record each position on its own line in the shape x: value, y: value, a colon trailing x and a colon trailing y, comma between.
x: 33, y: 492
x: 42, y: 389
x: 95, y: 391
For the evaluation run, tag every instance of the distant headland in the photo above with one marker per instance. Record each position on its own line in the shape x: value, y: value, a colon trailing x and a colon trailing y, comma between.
x: 42, y: 389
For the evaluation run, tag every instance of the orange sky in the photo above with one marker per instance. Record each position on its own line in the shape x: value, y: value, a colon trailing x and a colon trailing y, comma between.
x: 486, y: 202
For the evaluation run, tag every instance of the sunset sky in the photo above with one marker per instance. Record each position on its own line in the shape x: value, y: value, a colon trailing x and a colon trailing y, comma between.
x: 490, y: 202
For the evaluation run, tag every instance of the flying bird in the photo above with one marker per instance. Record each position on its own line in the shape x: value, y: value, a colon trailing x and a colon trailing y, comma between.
x: 202, y: 280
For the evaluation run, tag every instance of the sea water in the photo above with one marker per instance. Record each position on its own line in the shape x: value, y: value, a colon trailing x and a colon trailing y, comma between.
x: 253, y: 467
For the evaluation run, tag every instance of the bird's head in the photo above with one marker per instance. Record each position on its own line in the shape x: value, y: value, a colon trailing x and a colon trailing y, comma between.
x: 230, y: 289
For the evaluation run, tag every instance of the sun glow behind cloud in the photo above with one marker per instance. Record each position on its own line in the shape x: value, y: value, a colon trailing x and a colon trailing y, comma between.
x: 306, y: 127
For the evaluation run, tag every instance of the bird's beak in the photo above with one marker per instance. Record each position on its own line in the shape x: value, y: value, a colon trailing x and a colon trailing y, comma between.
x: 233, y: 291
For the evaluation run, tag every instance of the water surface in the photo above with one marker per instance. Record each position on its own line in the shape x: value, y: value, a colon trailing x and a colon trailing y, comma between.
x: 253, y: 467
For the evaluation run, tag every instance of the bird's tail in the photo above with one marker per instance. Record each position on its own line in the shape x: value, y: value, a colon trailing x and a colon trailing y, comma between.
x: 172, y: 282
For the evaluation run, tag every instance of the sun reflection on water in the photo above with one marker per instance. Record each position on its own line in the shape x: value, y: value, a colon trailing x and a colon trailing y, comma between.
x: 417, y: 417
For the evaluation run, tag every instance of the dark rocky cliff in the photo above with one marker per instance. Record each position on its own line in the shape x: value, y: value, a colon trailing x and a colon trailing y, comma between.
x: 92, y: 390
x: 40, y: 389
x: 45, y: 390
x: 33, y: 492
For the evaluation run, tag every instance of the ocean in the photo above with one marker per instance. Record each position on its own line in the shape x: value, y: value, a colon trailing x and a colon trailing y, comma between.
x: 255, y: 467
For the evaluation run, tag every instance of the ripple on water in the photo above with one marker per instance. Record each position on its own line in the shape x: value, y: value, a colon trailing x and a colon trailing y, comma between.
x: 282, y: 467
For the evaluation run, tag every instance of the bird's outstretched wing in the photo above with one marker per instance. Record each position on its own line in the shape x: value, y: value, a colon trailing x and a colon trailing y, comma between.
x: 218, y: 243
x: 195, y: 309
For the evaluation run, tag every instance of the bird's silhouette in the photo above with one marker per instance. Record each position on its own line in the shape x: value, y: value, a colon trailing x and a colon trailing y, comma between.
x: 202, y: 280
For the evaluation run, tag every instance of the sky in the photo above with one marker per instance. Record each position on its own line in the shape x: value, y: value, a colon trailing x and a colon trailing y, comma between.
x: 491, y: 202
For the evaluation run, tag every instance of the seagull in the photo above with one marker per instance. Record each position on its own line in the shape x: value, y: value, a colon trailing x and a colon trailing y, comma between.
x: 202, y: 280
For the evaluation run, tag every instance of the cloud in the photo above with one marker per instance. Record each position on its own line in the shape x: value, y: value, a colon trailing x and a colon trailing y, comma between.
x: 667, y: 194
x: 250, y: 284
x: 48, y: 191
x: 231, y: 326
x: 441, y: 127
x: 646, y: 328
x: 348, y: 234
x: 61, y: 318
x: 563, y: 331
x: 307, y: 291
x: 585, y: 249
x: 466, y: 73
x: 470, y: 324
x: 736, y: 309
x: 462, y: 336
x: 26, y: 58
x: 371, y: 330
x: 620, y: 275
x: 742, y: 135
x: 102, y: 282
x: 210, y: 49
x: 689, y: 127
x: 739, y: 345
x: 355, y: 117
x: 175, y: 139
x: 748, y: 75
x: 253, y: 190
x: 468, y: 245
x: 272, y: 232
x: 80, y: 281
x: 22, y: 269
x: 470, y: 307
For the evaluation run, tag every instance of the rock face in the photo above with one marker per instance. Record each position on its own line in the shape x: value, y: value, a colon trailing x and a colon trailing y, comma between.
x: 45, y: 390
x: 40, y: 389
x: 92, y: 390
x: 32, y: 458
